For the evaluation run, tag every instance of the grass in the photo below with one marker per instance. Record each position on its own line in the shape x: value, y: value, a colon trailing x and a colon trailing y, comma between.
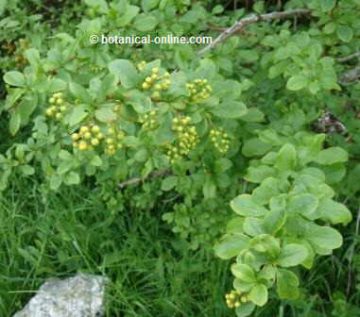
x: 151, y: 272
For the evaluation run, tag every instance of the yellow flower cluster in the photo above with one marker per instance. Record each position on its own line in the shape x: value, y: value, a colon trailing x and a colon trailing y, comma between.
x: 114, y: 141
x: 199, y: 90
x: 95, y: 68
x: 156, y: 82
x: 87, y: 138
x: 173, y: 154
x: 57, y: 106
x: 141, y: 66
x: 149, y: 120
x: 220, y: 140
x: 234, y: 299
x: 187, y: 138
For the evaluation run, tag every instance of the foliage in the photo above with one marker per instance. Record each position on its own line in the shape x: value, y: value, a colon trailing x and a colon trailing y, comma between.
x: 150, y: 127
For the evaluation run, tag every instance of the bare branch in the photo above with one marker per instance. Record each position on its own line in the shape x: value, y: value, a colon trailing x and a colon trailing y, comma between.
x: 138, y: 180
x: 348, y: 58
x: 239, y: 25
x: 350, y: 76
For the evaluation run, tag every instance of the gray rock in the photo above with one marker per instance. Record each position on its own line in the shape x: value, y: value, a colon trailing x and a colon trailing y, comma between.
x: 78, y: 296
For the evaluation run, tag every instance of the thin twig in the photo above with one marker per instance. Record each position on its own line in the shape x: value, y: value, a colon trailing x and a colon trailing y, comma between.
x: 350, y: 76
x: 345, y: 59
x: 352, y: 251
x: 242, y: 23
x: 138, y: 180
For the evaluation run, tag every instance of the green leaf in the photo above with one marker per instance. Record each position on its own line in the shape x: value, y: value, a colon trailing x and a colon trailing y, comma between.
x: 323, y: 237
x: 72, y: 178
x: 328, y: 5
x: 100, y: 5
x: 292, y: 255
x: 304, y: 204
x: 253, y: 226
x: 244, y: 272
x: 15, y: 122
x: 209, y: 188
x: 268, y: 189
x: 77, y: 114
x: 79, y: 92
x: 139, y: 101
x: 217, y: 9
x: 124, y: 71
x: 287, y: 284
x: 55, y: 182
x: 255, y: 147
x: 141, y: 155
x: 274, y: 221
x: 244, y: 205
x: 266, y: 243
x: 235, y: 225
x: 169, y: 183
x: 3, y: 4
x: 105, y: 114
x: 129, y: 14
x: 259, y: 173
x: 334, y: 212
x: 96, y: 161
x: 230, y: 110
x: 33, y: 56
x: 344, y: 33
x: 27, y: 170
x: 14, y: 78
x: 145, y: 22
x: 12, y: 98
x: 286, y: 158
x: 331, y: 156
x: 231, y: 245
x: 259, y: 295
x: 26, y: 107
x: 245, y: 310
x: 148, y: 5
x: 253, y: 115
x: 56, y: 84
x: 297, y: 82
x: 329, y: 28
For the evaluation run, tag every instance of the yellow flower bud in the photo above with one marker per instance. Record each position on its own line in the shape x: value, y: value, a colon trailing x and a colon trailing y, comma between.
x: 109, y: 141
x: 145, y: 86
x: 95, y: 129
x: 84, y: 129
x: 49, y: 112
x: 75, y: 136
x: 95, y: 142
x: 83, y: 146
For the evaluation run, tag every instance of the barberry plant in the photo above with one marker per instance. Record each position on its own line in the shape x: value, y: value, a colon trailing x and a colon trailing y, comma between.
x: 222, y: 135
x: 285, y: 221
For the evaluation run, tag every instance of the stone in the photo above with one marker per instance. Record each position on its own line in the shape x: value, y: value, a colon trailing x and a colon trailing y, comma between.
x: 78, y: 296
